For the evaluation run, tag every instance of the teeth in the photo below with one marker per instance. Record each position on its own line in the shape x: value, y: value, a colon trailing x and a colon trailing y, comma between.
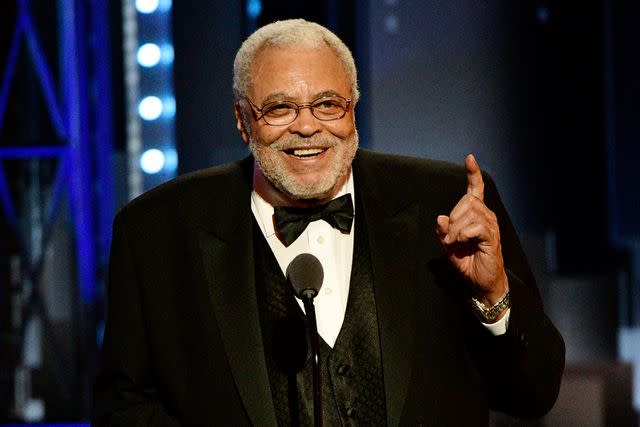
x: 307, y: 152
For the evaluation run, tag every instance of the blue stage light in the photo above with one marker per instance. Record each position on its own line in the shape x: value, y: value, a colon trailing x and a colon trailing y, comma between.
x: 168, y: 107
x: 152, y: 161
x: 165, y: 5
x: 170, y: 160
x: 150, y: 108
x: 146, y: 6
x: 254, y: 8
x: 149, y: 61
x: 149, y: 55
x: 167, y: 54
x: 543, y: 14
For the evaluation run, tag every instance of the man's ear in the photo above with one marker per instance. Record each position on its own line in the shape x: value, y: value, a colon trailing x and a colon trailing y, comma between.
x: 240, y: 123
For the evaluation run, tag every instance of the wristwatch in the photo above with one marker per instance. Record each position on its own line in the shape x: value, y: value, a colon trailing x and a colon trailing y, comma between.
x: 490, y: 314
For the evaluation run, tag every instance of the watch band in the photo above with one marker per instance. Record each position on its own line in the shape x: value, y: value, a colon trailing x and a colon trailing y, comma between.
x: 490, y: 314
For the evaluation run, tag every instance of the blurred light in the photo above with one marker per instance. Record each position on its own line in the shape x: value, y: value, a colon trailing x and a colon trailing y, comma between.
x: 543, y: 14
x: 150, y: 108
x: 170, y: 160
x: 33, y: 411
x: 169, y: 107
x: 167, y: 53
x: 146, y: 6
x: 391, y: 23
x: 149, y: 55
x: 152, y: 161
x: 100, y: 334
x: 254, y: 8
x: 165, y: 5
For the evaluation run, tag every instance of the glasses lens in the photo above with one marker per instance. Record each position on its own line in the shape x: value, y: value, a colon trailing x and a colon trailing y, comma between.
x: 329, y: 108
x: 279, y: 113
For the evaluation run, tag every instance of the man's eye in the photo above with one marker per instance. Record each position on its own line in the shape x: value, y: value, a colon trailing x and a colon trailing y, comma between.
x: 327, y: 104
x: 278, y: 110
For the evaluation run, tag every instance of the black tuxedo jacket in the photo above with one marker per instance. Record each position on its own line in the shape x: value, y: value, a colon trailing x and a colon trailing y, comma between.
x: 183, y: 345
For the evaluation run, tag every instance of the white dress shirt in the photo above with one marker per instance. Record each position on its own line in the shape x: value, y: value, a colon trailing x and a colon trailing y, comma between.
x: 335, y: 252
x: 330, y: 246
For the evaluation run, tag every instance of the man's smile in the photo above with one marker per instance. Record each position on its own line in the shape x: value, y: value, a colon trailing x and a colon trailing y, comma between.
x: 305, y: 153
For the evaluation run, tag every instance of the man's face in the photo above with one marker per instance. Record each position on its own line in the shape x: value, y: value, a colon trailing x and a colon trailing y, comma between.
x: 309, y: 158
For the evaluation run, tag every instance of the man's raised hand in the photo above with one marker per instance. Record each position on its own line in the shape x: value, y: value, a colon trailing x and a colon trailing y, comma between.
x: 471, y: 239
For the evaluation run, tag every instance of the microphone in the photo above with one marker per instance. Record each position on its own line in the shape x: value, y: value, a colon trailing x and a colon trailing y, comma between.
x: 305, y: 274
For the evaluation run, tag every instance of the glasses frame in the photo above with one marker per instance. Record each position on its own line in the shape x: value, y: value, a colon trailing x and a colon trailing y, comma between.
x: 298, y: 107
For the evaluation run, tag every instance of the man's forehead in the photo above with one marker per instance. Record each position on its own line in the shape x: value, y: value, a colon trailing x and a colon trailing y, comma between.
x: 285, y: 72
x: 291, y: 55
x: 274, y: 50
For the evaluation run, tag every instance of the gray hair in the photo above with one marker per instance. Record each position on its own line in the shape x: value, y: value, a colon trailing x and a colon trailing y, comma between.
x: 291, y: 32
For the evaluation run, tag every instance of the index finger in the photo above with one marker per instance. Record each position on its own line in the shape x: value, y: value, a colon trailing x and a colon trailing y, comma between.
x: 475, y: 184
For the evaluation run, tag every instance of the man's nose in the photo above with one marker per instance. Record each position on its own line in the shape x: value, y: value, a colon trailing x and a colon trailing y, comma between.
x: 306, y: 123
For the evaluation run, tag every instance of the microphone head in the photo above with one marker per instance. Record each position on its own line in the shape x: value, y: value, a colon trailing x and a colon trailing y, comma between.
x: 305, y: 274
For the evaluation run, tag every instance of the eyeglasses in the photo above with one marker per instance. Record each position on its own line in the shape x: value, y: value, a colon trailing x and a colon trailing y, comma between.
x: 281, y: 113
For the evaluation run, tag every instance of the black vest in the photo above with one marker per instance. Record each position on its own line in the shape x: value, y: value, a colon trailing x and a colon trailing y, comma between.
x: 352, y: 385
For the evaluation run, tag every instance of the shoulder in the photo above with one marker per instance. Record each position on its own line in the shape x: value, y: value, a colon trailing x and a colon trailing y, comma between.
x: 407, y: 165
x: 211, y: 186
x: 411, y: 177
x: 373, y: 164
x: 415, y: 179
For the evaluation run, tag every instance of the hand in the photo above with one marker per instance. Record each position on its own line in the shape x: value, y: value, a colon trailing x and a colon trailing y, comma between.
x: 471, y: 239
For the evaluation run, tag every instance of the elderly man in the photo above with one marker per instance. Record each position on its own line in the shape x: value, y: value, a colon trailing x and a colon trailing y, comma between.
x: 428, y: 314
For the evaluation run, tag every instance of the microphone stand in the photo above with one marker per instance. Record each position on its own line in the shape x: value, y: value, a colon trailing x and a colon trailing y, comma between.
x: 305, y: 275
x: 307, y: 298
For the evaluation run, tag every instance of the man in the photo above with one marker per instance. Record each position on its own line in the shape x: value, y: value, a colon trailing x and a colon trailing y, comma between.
x: 429, y: 314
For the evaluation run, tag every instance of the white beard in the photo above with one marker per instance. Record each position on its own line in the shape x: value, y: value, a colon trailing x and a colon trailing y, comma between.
x: 275, y: 170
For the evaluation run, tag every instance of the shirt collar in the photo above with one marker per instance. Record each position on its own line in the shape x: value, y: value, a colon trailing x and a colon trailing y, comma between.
x: 263, y: 211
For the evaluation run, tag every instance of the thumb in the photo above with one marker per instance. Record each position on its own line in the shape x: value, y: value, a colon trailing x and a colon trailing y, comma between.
x: 442, y: 226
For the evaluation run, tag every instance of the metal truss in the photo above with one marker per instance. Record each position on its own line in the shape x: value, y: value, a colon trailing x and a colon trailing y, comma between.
x: 80, y: 111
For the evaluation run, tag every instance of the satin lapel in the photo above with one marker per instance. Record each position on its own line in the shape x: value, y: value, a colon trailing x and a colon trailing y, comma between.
x: 227, y: 251
x: 392, y: 230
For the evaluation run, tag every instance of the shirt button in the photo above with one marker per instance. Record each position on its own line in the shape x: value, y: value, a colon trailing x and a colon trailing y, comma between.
x: 320, y: 240
x: 328, y: 291
x: 342, y: 370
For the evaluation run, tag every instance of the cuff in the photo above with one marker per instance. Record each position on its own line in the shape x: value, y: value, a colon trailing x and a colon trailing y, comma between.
x: 499, y: 327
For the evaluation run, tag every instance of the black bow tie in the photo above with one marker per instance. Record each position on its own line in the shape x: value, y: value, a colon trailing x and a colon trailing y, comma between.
x: 291, y: 222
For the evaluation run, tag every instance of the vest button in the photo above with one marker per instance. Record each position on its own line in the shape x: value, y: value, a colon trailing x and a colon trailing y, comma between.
x: 351, y: 412
x: 342, y: 370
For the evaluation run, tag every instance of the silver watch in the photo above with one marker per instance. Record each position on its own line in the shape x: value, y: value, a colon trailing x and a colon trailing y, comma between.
x: 490, y: 314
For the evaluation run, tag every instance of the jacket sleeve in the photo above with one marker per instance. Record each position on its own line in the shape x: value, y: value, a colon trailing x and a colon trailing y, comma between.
x: 523, y: 367
x: 125, y: 393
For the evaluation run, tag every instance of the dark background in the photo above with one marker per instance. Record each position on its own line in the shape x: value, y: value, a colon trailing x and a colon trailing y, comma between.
x: 545, y: 93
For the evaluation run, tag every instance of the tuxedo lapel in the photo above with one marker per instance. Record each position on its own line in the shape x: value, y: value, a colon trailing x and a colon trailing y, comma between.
x: 227, y: 251
x: 392, y: 229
